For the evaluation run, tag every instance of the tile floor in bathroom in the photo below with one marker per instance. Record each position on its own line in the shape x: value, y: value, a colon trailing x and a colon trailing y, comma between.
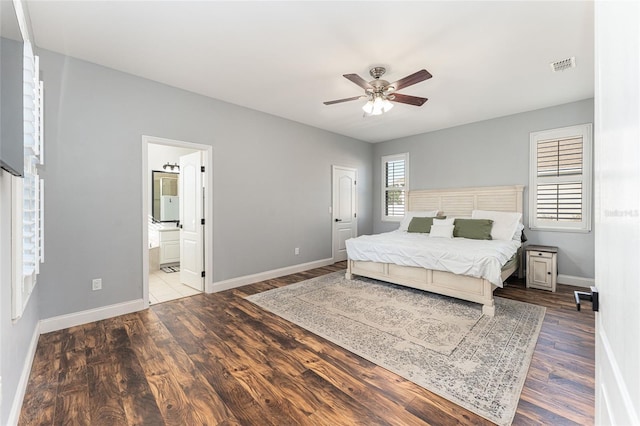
x: 166, y: 286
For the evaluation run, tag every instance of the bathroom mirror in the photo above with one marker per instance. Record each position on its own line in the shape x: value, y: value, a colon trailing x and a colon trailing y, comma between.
x: 166, y: 202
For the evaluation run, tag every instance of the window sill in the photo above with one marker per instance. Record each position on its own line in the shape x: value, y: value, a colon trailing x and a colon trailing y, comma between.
x: 570, y: 230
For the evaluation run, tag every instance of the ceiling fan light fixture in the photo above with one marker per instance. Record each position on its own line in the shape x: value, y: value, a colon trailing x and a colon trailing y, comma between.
x: 377, y: 105
x: 386, y: 105
x: 368, y: 107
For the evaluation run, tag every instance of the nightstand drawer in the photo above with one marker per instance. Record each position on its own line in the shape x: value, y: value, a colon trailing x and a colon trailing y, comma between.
x: 543, y: 254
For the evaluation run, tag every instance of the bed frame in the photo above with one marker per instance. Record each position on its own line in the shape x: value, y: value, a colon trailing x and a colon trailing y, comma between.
x: 451, y: 202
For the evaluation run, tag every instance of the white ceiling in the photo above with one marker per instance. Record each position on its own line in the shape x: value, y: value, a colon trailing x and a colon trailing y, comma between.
x: 488, y: 59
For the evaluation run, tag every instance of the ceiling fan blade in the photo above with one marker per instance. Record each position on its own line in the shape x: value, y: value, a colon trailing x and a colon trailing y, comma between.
x: 408, y: 99
x: 337, y: 101
x: 412, y: 79
x: 355, y: 78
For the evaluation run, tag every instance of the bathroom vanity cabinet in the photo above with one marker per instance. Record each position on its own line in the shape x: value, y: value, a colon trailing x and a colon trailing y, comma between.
x: 169, y: 246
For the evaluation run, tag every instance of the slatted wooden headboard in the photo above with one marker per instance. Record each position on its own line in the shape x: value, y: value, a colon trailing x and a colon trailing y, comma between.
x: 460, y: 202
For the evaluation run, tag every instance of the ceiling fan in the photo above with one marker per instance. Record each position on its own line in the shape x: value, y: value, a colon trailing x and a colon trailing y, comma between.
x: 380, y: 93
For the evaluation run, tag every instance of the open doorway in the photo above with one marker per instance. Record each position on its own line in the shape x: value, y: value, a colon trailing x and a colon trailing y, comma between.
x: 176, y: 213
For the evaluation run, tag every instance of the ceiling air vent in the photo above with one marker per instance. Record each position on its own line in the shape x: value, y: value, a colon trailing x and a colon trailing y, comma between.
x: 563, y: 64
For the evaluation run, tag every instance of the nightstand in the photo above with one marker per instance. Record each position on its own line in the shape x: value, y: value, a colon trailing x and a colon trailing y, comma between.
x: 542, y: 267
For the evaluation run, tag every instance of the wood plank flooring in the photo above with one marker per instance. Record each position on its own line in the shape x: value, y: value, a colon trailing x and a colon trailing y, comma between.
x: 216, y: 359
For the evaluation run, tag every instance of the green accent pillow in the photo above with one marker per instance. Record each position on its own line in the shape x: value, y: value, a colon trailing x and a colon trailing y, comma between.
x: 475, y: 229
x: 420, y: 224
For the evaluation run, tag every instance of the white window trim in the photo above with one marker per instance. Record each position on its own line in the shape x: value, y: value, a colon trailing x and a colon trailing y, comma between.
x: 586, y: 132
x: 26, y: 266
x: 385, y: 158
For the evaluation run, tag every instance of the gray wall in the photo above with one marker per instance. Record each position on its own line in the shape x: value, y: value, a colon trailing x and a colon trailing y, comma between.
x: 11, y: 98
x: 272, y: 182
x: 15, y: 336
x: 492, y: 152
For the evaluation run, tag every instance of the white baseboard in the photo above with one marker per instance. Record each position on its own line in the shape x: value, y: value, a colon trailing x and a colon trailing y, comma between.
x: 90, y: 315
x: 267, y: 275
x: 577, y: 281
x: 16, y: 406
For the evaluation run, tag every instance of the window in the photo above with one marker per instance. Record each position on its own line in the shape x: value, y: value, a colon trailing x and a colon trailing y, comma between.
x: 395, y: 183
x: 560, y: 179
x: 28, y: 191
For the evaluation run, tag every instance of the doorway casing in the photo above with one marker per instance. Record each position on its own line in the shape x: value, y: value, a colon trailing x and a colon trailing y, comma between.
x: 207, y: 151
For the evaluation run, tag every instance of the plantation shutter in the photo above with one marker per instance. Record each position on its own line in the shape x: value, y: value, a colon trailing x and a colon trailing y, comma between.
x: 29, y: 197
x: 30, y: 194
x: 560, y: 201
x: 395, y: 179
x: 561, y: 178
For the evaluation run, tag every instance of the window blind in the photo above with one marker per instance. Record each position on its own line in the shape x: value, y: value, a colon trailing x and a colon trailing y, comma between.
x: 394, y: 196
x: 394, y: 203
x: 559, y: 201
x: 560, y: 157
x: 30, y: 195
x: 395, y: 173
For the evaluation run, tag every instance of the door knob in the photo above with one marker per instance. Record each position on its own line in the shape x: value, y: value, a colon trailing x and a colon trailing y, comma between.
x: 338, y: 220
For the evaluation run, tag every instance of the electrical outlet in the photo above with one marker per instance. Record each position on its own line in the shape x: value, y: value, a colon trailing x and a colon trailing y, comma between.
x: 96, y: 284
x: 296, y: 251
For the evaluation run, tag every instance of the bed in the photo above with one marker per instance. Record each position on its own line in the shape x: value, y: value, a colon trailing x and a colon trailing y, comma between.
x: 458, y: 203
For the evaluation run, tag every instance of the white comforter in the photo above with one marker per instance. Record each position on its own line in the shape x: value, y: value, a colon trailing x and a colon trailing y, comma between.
x: 478, y: 258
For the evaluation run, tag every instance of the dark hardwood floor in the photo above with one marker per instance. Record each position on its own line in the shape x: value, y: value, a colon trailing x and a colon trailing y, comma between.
x: 216, y: 359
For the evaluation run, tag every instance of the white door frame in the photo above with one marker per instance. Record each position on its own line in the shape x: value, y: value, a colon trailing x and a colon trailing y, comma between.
x: 208, y: 209
x: 355, y: 196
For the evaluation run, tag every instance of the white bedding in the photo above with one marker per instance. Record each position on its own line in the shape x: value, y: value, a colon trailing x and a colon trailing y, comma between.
x: 478, y: 258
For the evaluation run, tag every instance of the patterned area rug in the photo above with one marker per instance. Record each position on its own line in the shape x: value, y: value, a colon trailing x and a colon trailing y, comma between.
x: 442, y: 344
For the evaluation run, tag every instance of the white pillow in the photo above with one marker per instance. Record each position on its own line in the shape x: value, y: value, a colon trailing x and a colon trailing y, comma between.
x: 441, y: 231
x: 505, y: 224
x: 448, y: 221
x: 517, y: 236
x: 404, y: 224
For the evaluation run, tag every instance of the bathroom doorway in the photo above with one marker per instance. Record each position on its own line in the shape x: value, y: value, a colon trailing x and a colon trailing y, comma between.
x: 176, y: 213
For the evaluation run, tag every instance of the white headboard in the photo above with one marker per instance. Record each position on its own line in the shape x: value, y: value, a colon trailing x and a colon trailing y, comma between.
x: 460, y: 202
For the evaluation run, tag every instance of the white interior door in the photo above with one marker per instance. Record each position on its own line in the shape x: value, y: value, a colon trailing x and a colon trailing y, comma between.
x: 617, y: 212
x: 345, y: 222
x: 191, y: 217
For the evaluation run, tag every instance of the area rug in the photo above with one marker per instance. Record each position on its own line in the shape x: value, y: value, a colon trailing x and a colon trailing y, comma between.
x: 440, y: 343
x: 170, y: 269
